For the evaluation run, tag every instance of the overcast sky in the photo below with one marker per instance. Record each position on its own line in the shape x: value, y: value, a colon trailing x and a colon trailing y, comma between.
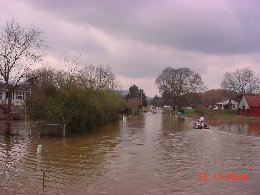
x: 139, y: 38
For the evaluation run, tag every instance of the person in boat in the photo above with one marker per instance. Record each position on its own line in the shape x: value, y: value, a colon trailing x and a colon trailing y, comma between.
x: 202, y: 121
x: 196, y: 124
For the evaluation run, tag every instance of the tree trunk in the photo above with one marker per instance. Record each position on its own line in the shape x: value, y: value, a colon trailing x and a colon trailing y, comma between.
x: 173, y: 108
x: 8, y: 118
x: 180, y: 104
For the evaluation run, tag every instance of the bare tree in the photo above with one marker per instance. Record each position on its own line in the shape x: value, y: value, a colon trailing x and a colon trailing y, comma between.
x: 90, y: 76
x: 38, y: 78
x: 242, y: 81
x: 98, y: 77
x: 177, y: 83
x: 19, y: 49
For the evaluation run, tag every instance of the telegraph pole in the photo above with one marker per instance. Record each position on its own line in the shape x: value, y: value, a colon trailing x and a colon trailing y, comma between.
x: 141, y: 100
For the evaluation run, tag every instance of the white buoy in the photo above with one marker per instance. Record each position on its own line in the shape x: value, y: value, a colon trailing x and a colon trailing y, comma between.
x: 124, y: 118
x: 39, y: 149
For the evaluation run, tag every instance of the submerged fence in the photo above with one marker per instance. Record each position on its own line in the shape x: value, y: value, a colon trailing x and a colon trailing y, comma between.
x: 53, y: 129
x: 17, y: 127
x: 21, y: 127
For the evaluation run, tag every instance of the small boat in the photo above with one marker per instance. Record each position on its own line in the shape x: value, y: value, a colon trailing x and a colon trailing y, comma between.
x: 153, y: 109
x: 180, y: 115
x: 197, y: 125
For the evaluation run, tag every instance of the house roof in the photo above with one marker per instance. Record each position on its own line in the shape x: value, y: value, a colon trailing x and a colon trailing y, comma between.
x: 4, y: 86
x: 253, y: 100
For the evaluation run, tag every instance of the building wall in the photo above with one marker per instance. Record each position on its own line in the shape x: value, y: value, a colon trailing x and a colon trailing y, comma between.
x: 243, y: 103
x: 17, y: 97
x: 221, y: 105
x: 250, y: 111
x: 254, y: 111
x: 246, y: 110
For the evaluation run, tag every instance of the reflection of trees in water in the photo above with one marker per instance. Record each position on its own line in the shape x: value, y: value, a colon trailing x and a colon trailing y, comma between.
x: 171, y: 123
x: 135, y: 123
x: 77, y: 160
x: 67, y: 162
x: 254, y: 128
x: 241, y: 128
x: 12, y: 151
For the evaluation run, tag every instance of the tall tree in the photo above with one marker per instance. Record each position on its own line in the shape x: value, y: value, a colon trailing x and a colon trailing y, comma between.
x: 175, y: 84
x: 134, y: 91
x: 20, y: 47
x: 136, y: 95
x: 242, y: 81
x: 98, y: 77
x: 156, y: 101
x: 214, y: 96
x: 38, y: 78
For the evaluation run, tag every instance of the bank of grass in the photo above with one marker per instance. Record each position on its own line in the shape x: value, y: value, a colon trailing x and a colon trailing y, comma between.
x: 218, y: 117
x: 167, y: 110
x: 146, y: 109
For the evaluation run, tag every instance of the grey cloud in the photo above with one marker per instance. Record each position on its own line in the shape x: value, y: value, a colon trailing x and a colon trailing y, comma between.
x: 224, y: 28
x: 75, y: 41
x: 210, y: 37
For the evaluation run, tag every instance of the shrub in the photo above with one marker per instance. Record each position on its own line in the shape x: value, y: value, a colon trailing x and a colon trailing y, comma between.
x: 80, y: 108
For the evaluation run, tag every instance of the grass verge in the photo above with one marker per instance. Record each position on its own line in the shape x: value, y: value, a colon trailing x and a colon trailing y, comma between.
x: 218, y: 117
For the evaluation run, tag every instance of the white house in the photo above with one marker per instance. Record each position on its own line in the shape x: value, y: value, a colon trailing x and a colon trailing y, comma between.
x: 221, y: 105
x: 18, y: 96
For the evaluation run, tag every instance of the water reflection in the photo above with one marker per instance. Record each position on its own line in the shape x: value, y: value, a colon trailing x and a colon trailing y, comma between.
x: 244, y: 128
x: 171, y: 123
x: 254, y: 128
x: 66, y: 161
x: 12, y: 151
x: 148, y: 154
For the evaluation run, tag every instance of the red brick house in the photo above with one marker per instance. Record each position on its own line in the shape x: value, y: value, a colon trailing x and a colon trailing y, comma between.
x: 250, y: 105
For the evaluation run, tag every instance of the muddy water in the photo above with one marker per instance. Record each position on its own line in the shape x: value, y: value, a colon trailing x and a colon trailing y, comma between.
x: 149, y: 154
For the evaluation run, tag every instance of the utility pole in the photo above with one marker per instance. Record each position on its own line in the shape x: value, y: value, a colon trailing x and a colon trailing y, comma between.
x: 25, y: 111
x: 99, y: 76
x: 141, y: 100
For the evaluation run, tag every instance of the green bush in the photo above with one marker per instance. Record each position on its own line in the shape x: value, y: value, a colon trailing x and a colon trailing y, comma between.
x: 81, y: 109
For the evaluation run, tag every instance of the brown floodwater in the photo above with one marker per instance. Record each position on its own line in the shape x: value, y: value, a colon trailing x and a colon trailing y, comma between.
x: 148, y: 154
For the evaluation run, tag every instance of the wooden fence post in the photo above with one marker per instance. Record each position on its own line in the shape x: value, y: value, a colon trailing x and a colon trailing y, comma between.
x: 64, y: 130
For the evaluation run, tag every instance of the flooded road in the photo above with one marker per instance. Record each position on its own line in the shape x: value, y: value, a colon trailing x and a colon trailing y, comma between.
x: 148, y: 154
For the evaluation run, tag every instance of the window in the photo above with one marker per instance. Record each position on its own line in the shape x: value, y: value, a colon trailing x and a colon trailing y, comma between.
x: 19, y: 95
x: 13, y: 95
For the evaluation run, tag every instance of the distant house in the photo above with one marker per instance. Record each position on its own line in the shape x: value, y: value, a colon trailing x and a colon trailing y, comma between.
x: 18, y: 96
x: 17, y: 102
x: 231, y: 103
x: 250, y: 105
